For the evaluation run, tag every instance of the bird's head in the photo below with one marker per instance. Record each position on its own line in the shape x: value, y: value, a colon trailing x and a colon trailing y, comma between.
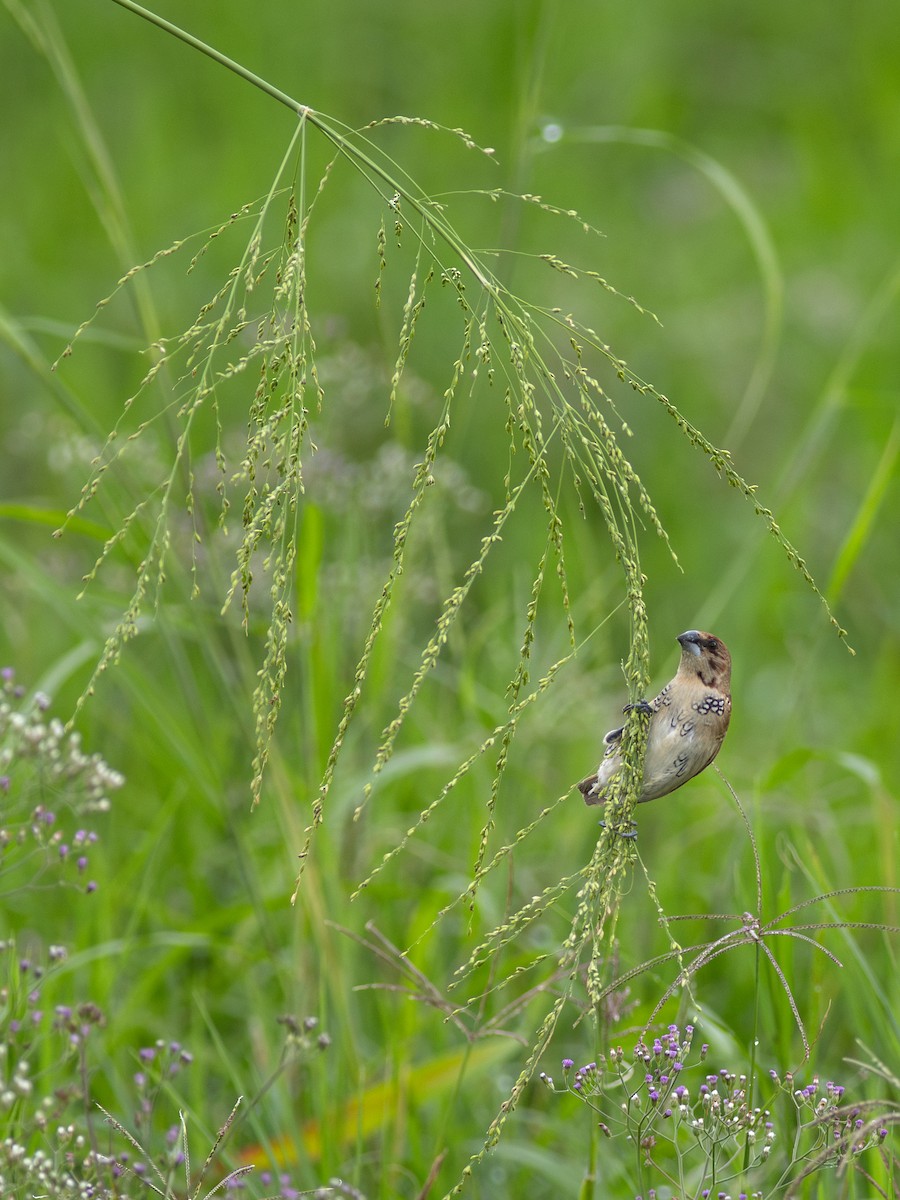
x: 705, y: 656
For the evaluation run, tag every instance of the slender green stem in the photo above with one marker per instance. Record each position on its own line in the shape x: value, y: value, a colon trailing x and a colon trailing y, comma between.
x: 751, y: 1075
x: 353, y: 152
x: 216, y: 55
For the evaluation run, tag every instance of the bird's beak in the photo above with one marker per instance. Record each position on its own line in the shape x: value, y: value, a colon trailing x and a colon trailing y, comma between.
x: 690, y: 641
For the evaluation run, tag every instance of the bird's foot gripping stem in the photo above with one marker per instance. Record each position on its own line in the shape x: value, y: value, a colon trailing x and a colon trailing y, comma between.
x: 625, y: 833
x: 641, y: 706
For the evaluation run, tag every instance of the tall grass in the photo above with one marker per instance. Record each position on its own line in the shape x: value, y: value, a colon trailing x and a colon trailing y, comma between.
x: 378, y: 592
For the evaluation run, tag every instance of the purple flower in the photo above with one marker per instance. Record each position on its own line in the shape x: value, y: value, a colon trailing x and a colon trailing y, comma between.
x: 567, y: 1064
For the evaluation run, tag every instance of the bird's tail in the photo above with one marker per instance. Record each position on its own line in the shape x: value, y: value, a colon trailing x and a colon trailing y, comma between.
x: 590, y: 789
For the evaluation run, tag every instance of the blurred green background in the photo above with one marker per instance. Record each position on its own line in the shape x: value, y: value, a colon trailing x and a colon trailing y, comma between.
x: 761, y: 228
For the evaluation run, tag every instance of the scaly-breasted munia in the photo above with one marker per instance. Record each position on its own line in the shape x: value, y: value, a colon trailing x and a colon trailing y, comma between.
x: 688, y: 722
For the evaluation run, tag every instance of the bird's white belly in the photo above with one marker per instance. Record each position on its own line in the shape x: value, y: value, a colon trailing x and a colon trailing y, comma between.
x: 673, y: 755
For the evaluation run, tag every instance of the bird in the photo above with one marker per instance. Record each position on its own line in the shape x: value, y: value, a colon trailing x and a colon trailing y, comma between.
x: 688, y: 722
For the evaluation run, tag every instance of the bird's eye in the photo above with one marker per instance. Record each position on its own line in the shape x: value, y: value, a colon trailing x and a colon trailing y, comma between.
x: 712, y: 644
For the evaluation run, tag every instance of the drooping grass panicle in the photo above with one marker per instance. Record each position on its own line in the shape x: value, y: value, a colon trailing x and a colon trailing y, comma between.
x: 520, y: 679
x: 495, y: 1130
x: 722, y: 464
x: 554, y: 400
x: 502, y: 733
x: 748, y: 215
x: 217, y: 324
x: 570, y: 394
x: 559, y: 393
x: 420, y: 485
x: 514, y: 925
